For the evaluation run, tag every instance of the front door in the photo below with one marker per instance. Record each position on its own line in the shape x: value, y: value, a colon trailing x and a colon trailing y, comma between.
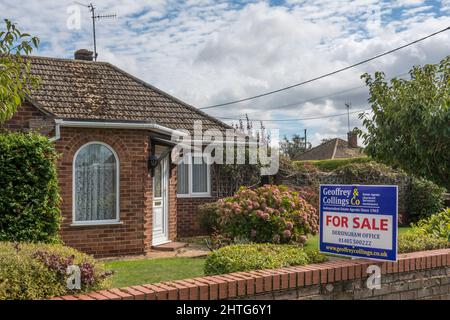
x: 160, y: 203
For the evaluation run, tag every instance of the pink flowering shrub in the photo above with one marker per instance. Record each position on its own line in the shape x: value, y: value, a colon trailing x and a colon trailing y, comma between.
x: 269, y: 214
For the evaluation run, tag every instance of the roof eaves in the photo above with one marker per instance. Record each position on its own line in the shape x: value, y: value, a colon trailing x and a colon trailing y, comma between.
x: 41, y: 108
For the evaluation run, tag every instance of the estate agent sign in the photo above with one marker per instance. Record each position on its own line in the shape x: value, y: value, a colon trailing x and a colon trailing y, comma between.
x: 359, y: 221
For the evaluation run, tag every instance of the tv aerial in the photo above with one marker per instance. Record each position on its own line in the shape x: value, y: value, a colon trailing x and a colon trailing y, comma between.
x: 95, y: 17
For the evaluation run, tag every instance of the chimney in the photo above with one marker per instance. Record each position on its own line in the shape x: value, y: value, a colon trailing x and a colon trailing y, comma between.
x: 84, y: 54
x: 352, y: 138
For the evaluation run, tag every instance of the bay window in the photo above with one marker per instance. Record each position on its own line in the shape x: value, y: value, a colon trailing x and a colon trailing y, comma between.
x: 95, y: 185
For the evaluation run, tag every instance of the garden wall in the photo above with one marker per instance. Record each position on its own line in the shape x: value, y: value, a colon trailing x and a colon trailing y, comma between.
x: 418, y: 275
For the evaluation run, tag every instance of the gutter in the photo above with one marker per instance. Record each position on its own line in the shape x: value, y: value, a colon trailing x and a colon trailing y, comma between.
x: 112, y: 125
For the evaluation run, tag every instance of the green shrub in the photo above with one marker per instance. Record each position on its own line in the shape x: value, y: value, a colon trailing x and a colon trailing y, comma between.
x: 248, y: 257
x: 417, y: 239
x: 267, y: 214
x: 38, y: 271
x: 368, y: 170
x: 29, y: 197
x: 209, y: 216
x: 426, y: 198
x: 438, y: 225
x: 331, y: 164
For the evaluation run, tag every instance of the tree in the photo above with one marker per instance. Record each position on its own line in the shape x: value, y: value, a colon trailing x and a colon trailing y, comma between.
x: 15, y: 78
x: 295, y: 147
x: 410, y: 126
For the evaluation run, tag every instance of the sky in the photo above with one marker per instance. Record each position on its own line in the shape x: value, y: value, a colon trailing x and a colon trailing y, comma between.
x: 208, y: 52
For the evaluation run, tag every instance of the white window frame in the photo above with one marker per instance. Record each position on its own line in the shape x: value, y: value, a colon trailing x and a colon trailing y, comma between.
x: 96, y: 222
x: 190, y: 193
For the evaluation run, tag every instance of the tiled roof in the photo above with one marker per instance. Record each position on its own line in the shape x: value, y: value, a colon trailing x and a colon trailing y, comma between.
x: 332, y: 149
x: 85, y: 90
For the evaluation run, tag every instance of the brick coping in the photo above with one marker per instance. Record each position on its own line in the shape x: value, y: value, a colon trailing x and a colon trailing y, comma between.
x: 242, y: 284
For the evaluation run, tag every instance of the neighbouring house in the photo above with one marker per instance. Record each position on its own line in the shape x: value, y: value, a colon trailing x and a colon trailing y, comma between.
x: 121, y: 193
x: 335, y: 149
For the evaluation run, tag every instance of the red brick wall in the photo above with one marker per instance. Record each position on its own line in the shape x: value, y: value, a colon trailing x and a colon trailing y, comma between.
x: 28, y: 117
x: 187, y: 211
x: 188, y: 217
x: 134, y: 234
x: 173, y: 218
x: 417, y: 275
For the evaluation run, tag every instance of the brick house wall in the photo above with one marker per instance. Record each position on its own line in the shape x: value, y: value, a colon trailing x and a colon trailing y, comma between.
x: 188, y: 215
x: 188, y: 224
x: 134, y: 233
x: 27, y: 118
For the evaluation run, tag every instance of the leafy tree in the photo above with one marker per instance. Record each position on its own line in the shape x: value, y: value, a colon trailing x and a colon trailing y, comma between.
x: 15, y: 78
x: 410, y: 126
x: 295, y: 147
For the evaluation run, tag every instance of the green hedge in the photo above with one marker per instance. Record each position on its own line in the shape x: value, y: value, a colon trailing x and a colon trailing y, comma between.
x: 29, y: 197
x: 425, y: 199
x: 38, y: 271
x: 427, y: 234
x: 417, y: 240
x: 249, y: 257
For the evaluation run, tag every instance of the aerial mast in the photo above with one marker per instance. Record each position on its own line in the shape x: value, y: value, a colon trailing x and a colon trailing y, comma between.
x: 95, y: 17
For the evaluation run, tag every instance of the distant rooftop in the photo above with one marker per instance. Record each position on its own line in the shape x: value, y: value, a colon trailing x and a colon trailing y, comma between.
x: 333, y: 149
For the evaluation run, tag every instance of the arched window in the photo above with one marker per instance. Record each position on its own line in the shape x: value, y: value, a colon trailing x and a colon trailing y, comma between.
x: 95, y: 184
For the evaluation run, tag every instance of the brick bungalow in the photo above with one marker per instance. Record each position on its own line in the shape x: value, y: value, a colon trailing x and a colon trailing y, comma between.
x: 107, y: 125
x: 335, y: 149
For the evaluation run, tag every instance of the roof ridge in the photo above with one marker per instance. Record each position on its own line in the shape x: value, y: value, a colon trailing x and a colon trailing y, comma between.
x: 323, y: 143
x: 65, y: 59
x: 335, y: 147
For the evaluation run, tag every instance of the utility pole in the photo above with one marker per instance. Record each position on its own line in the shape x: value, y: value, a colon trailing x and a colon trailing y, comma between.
x: 305, y: 141
x: 348, y: 105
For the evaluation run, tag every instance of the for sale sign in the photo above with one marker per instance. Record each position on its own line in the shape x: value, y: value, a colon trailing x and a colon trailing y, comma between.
x: 359, y: 221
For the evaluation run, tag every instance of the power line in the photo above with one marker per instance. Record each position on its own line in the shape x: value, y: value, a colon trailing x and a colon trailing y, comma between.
x: 336, y: 93
x: 308, y: 100
x: 301, y: 119
x: 327, y: 74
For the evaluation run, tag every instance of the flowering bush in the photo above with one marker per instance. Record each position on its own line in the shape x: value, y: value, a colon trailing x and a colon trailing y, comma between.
x: 38, y: 271
x: 270, y: 213
x: 311, y: 195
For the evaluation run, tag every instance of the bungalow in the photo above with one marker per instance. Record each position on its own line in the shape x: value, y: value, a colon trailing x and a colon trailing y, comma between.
x: 121, y: 193
x: 335, y: 149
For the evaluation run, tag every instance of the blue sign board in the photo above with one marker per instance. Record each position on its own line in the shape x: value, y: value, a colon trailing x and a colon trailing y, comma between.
x: 359, y: 221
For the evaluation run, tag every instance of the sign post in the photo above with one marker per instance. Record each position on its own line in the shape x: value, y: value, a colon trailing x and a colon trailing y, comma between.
x: 359, y: 221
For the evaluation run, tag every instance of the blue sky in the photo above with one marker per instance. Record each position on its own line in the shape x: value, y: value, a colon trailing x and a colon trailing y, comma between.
x: 206, y: 52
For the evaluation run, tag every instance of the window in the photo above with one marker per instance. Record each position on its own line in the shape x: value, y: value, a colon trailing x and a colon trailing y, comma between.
x: 95, y: 185
x: 193, y: 178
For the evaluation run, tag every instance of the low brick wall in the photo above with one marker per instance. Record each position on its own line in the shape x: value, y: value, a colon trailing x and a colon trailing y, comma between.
x: 418, y: 275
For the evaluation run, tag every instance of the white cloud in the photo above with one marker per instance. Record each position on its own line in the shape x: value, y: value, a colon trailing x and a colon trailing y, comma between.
x: 208, y: 52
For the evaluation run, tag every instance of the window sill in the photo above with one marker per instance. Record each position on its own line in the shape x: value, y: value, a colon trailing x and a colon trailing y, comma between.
x: 194, y: 196
x: 95, y: 224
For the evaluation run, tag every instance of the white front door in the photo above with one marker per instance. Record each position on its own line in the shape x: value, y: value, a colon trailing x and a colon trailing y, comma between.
x: 160, y: 202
